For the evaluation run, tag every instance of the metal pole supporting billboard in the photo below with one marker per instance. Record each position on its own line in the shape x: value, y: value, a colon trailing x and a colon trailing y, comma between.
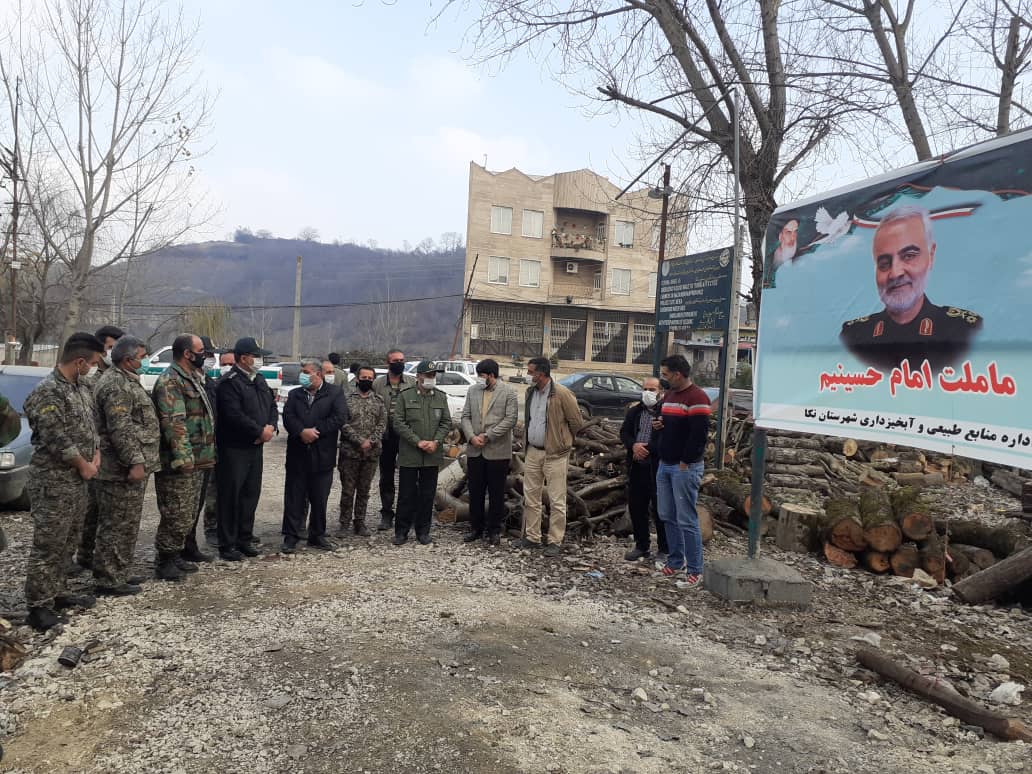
x: 659, y: 342
x: 731, y: 332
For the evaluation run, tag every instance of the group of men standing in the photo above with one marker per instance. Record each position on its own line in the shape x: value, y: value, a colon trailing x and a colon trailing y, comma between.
x: 97, y: 438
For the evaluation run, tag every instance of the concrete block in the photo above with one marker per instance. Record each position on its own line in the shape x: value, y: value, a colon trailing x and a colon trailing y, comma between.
x: 762, y: 581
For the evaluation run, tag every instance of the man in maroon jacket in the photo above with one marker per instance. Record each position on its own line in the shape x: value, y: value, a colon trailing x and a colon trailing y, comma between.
x: 684, y: 420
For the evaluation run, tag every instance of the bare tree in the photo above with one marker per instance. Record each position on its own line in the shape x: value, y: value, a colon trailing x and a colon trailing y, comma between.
x: 680, y: 62
x: 111, y: 121
x: 308, y: 234
x: 1002, y: 31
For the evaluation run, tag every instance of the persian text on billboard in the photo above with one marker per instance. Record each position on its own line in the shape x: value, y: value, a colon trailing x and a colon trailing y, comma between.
x: 694, y: 291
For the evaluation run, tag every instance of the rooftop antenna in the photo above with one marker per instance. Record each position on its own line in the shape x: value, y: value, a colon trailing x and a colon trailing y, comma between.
x: 485, y: 161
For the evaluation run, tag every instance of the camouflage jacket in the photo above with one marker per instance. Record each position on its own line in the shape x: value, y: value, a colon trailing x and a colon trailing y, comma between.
x: 127, y: 425
x: 186, y: 419
x: 368, y: 420
x: 61, y: 415
x: 383, y: 388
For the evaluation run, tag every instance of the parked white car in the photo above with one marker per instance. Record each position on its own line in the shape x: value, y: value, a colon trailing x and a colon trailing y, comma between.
x: 455, y: 384
x: 154, y: 365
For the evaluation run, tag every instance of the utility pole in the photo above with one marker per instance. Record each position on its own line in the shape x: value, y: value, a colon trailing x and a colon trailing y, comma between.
x: 297, y: 311
x: 660, y: 341
x: 10, y: 339
x: 462, y: 309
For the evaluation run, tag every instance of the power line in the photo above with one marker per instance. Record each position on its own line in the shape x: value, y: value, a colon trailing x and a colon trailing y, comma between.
x: 247, y: 307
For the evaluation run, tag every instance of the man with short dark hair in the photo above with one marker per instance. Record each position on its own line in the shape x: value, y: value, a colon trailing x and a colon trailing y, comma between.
x: 360, y: 441
x: 187, y: 450
x: 684, y: 421
x: 334, y: 374
x: 488, y: 417
x: 641, y: 442
x: 66, y: 455
x: 553, y: 418
x: 247, y: 420
x: 84, y: 538
x: 313, y: 417
x: 130, y: 437
x: 388, y: 387
x: 206, y: 507
x: 422, y: 421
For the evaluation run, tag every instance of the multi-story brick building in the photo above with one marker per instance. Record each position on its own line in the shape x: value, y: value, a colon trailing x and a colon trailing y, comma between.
x: 560, y: 267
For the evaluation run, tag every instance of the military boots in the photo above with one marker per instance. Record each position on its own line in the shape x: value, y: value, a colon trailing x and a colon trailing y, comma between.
x: 165, y: 568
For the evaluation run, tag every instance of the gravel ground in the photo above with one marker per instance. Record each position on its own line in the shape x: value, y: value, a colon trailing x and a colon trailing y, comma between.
x: 462, y: 659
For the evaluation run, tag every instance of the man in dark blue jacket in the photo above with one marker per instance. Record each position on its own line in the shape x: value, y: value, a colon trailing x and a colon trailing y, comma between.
x: 314, y: 414
x: 642, y: 444
x: 246, y: 419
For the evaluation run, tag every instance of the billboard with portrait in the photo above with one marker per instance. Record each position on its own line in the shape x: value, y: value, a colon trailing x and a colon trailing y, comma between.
x: 900, y: 309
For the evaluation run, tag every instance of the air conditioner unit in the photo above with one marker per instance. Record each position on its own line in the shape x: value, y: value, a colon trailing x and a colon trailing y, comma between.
x: 474, y: 331
x: 571, y: 267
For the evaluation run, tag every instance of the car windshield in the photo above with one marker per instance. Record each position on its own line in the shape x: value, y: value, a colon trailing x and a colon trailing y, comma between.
x: 570, y: 380
x: 16, y: 388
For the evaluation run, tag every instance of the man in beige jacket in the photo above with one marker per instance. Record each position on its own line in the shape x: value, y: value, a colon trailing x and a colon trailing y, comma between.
x: 488, y: 417
x: 552, y: 418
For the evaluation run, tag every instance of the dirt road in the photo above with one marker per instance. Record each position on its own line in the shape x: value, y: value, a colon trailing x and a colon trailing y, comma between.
x: 460, y: 659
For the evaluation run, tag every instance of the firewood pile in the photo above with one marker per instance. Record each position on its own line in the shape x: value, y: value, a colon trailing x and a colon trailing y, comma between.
x: 859, y: 504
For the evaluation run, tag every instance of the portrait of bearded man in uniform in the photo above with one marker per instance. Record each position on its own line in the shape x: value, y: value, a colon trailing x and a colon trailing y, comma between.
x: 909, y: 327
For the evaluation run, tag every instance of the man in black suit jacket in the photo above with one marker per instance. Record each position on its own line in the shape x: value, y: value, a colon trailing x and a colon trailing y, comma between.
x: 639, y: 438
x: 314, y: 414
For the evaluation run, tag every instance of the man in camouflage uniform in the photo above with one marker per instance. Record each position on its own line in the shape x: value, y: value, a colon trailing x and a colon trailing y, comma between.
x: 360, y: 441
x: 129, y: 439
x: 65, y: 456
x: 84, y: 537
x: 191, y: 550
x: 187, y: 450
x: 388, y: 387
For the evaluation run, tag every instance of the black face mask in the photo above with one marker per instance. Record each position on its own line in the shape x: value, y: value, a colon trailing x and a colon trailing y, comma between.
x: 365, y: 385
x: 197, y: 359
x: 396, y: 368
x: 664, y: 384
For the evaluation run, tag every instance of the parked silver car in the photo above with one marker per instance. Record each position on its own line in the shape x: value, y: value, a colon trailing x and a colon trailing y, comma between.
x: 16, y: 382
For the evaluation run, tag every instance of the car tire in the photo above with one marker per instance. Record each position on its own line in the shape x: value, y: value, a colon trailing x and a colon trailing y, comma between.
x: 21, y: 503
x: 585, y: 410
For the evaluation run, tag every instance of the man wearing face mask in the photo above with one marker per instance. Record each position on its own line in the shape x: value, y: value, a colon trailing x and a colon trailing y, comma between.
x: 389, y: 387
x: 641, y: 440
x: 211, y: 534
x: 360, y: 441
x: 66, y: 455
x: 488, y: 417
x: 340, y: 376
x: 192, y: 551
x: 422, y: 420
x: 247, y: 420
x: 84, y: 538
x: 313, y: 417
x: 187, y: 422
x: 130, y: 437
x: 333, y: 375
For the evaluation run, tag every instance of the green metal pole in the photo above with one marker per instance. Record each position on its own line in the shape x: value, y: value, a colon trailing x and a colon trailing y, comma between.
x: 659, y: 342
x: 759, y: 463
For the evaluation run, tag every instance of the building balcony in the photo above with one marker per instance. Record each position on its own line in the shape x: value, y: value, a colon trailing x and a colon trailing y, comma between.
x: 578, y: 246
x: 573, y: 293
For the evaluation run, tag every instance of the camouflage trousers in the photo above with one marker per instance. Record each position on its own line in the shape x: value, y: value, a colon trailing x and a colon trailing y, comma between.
x: 119, y: 508
x: 179, y: 495
x: 83, y: 536
x: 356, y: 479
x: 211, y: 504
x: 59, y: 500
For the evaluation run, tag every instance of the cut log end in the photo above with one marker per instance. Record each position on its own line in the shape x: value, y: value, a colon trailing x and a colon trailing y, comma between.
x: 839, y: 558
x: 877, y: 561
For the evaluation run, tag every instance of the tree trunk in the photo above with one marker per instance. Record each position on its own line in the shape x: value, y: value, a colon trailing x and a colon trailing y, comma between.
x: 906, y: 560
x: 880, y: 528
x: 839, y: 558
x: 877, y: 561
x: 798, y: 528
x: 996, y: 580
x: 933, y: 557
x: 911, y: 514
x: 1002, y: 541
x: 1010, y: 482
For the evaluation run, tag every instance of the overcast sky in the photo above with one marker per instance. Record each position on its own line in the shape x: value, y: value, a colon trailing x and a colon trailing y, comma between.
x: 361, y: 121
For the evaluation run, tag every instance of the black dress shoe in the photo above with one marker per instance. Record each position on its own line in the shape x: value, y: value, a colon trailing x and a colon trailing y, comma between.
x: 42, y: 618
x: 472, y: 536
x: 65, y: 601
x: 289, y: 545
x: 194, y: 554
x: 386, y: 522
x: 184, y: 565
x: 248, y: 549
x: 231, y: 556
x: 399, y: 539
x: 321, y: 543
x: 493, y: 539
x: 135, y: 580
x: 424, y: 540
x: 123, y: 590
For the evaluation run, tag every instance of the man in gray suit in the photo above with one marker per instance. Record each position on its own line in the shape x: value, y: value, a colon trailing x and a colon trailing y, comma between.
x: 488, y: 418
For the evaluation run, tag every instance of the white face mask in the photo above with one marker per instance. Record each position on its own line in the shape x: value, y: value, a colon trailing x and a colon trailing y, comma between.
x: 258, y: 363
x: 209, y: 363
x: 330, y: 378
x: 93, y: 371
x: 226, y: 369
x: 429, y: 384
x: 648, y: 399
x: 107, y: 358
